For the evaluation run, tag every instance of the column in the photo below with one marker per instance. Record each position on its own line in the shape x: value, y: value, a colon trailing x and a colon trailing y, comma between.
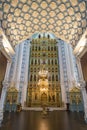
x: 63, y: 90
x: 15, y: 66
x: 4, y: 90
x: 24, y: 90
x: 5, y: 84
x: 1, y: 43
x: 69, y: 63
x: 84, y: 94
x: 79, y: 68
x: 6, y: 78
x: 83, y: 90
x: 7, y: 71
x: 1, y: 110
x: 18, y: 67
x: 2, y: 100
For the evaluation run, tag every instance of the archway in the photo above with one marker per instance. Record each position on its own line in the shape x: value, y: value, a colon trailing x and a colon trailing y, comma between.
x: 44, y: 99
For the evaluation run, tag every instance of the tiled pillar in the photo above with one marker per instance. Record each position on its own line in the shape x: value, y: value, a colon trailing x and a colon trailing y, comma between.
x: 63, y: 89
x: 4, y: 90
x: 84, y: 94
x: 83, y: 90
x: 18, y: 67
x: 24, y: 90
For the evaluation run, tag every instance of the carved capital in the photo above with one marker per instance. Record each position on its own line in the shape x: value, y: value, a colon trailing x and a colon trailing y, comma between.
x: 82, y: 85
x: 5, y: 83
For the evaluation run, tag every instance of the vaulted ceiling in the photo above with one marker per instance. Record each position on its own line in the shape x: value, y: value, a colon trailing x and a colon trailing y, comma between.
x: 67, y: 19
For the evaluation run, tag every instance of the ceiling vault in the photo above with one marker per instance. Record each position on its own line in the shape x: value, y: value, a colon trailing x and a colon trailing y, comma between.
x: 67, y: 19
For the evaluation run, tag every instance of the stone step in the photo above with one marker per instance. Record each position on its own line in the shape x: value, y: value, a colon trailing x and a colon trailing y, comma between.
x: 40, y: 108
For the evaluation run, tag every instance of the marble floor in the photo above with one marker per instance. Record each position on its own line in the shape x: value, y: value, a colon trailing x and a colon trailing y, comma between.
x: 34, y: 120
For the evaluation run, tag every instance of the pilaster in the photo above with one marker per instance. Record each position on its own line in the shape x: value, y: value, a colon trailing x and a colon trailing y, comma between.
x: 84, y: 94
x: 4, y: 90
x: 7, y: 71
x: 24, y: 90
x: 63, y: 90
x: 18, y: 72
x: 83, y: 90
x: 15, y: 66
x: 2, y: 100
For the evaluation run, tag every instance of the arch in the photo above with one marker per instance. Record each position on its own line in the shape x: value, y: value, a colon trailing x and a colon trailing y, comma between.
x: 44, y: 98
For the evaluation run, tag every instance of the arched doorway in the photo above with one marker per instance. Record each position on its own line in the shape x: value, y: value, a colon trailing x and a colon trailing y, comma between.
x: 43, y: 98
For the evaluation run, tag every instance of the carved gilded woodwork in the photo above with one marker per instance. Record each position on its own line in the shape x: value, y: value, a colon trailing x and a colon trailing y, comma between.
x: 12, y: 95
x: 75, y: 95
x: 44, y: 71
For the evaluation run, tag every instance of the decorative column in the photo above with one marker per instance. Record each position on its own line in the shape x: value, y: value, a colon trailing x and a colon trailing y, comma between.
x: 24, y: 90
x: 6, y: 78
x: 18, y: 67
x: 69, y: 73
x: 1, y: 43
x: 4, y: 90
x: 7, y: 71
x: 70, y: 66
x: 63, y: 90
x: 79, y: 68
x: 83, y: 90
x: 84, y: 94
x: 15, y: 66
x: 1, y: 110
